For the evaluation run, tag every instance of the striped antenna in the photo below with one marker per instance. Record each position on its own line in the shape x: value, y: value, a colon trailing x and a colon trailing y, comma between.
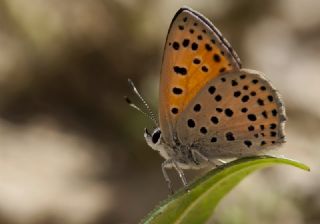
x: 148, y: 113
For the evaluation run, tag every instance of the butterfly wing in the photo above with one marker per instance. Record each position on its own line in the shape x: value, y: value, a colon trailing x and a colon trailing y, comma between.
x: 236, y: 114
x: 195, y: 52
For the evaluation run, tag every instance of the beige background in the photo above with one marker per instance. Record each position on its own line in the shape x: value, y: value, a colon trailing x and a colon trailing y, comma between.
x: 71, y: 150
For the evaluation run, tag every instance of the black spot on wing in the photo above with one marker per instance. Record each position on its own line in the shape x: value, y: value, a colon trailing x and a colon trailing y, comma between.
x: 218, y: 98
x: 197, y: 107
x: 248, y: 143
x: 214, y: 120
x: 196, y: 61
x: 191, y: 123
x: 176, y: 45
x: 228, y: 112
x: 252, y: 117
x: 194, y: 46
x: 211, y: 89
x: 230, y: 136
x: 203, y: 130
x: 177, y: 90
x: 216, y: 58
x: 208, y: 47
x: 174, y: 110
x: 204, y: 68
x: 180, y: 70
x: 185, y: 42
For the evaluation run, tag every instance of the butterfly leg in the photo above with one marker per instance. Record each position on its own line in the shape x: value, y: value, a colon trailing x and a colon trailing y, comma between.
x: 164, y: 165
x: 196, y: 153
x: 180, y: 172
x: 221, y: 161
x: 172, y: 163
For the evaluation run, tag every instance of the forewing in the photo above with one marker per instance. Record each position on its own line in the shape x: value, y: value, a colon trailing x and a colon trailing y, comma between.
x: 237, y: 114
x: 195, y: 53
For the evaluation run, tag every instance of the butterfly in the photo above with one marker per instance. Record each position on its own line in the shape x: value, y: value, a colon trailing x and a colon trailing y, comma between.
x: 210, y: 108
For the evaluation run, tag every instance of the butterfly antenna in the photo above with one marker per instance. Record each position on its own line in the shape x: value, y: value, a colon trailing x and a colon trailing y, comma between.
x: 135, y: 106
x: 149, y: 113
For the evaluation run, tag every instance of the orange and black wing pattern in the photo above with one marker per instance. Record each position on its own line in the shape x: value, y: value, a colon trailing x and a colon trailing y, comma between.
x: 195, y: 53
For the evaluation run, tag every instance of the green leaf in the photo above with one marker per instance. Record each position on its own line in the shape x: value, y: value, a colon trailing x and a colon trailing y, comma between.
x: 198, y: 203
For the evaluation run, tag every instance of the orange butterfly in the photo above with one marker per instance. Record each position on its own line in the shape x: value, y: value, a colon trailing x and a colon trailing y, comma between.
x: 210, y: 108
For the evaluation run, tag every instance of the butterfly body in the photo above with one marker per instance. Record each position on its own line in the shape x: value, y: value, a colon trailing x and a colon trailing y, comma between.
x: 209, y: 107
x: 180, y: 153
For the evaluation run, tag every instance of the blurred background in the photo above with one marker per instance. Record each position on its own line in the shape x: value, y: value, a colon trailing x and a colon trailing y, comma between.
x: 72, y: 151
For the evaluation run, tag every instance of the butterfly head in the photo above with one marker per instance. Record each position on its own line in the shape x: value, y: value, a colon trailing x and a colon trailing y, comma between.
x: 153, y: 139
x: 156, y: 142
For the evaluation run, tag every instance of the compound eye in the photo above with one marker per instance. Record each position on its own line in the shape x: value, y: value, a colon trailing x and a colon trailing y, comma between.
x: 156, y: 136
